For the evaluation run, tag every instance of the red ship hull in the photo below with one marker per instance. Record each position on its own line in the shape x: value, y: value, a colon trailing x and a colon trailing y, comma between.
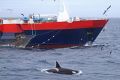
x: 54, y: 34
x: 18, y: 28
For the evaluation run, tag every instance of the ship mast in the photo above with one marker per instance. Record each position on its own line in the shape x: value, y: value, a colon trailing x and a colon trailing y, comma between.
x: 63, y: 15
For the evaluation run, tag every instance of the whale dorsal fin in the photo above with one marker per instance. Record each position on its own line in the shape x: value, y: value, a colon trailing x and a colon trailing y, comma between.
x: 57, y: 65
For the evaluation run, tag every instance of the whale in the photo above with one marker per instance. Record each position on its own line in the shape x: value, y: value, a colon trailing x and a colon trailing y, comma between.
x: 60, y: 70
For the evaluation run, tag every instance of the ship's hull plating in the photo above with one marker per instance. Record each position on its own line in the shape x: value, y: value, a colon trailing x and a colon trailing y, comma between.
x: 59, y: 36
x: 63, y: 38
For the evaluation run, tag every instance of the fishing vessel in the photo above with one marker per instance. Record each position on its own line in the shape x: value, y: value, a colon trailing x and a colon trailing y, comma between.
x: 49, y: 31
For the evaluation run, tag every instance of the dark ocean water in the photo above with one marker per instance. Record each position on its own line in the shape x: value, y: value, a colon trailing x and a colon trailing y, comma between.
x: 98, y: 62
